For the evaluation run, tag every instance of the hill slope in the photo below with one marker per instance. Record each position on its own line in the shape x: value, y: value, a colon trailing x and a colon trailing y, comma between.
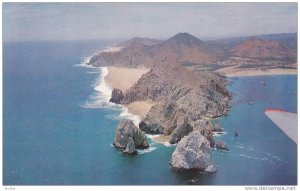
x: 181, y: 48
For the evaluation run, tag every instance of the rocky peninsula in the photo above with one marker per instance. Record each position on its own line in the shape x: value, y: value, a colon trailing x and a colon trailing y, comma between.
x: 181, y: 100
x: 179, y: 92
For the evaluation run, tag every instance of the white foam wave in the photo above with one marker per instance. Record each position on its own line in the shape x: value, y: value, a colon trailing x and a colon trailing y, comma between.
x: 217, y: 134
x: 101, y: 95
x: 101, y: 86
x: 143, y: 151
x: 152, y: 136
x: 127, y: 115
x: 167, y: 144
x: 100, y: 98
x: 84, y: 61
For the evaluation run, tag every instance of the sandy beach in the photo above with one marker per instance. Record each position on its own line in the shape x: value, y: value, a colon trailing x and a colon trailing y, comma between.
x: 124, y: 78
x: 162, y: 138
x: 236, y: 72
x: 140, y: 108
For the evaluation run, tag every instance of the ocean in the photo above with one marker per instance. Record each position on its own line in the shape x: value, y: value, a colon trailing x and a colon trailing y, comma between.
x: 58, y: 128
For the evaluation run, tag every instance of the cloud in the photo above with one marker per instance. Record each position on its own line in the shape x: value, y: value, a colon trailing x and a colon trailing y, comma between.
x: 80, y: 21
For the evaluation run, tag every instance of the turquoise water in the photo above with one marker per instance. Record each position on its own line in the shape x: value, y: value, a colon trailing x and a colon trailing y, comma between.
x: 50, y: 137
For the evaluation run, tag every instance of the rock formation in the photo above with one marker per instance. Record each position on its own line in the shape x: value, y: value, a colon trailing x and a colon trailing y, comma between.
x: 152, y: 128
x: 178, y: 93
x: 206, y: 128
x: 116, y: 96
x: 192, y: 153
x: 127, y: 131
x: 217, y: 128
x: 222, y: 146
x: 130, y: 148
x: 181, y: 131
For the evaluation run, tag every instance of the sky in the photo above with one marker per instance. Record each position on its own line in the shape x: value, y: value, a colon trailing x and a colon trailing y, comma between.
x: 88, y: 21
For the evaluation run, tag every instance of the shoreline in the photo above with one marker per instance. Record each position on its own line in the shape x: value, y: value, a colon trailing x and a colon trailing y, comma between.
x: 123, y: 78
x: 162, y: 139
x: 231, y: 72
x: 136, y: 110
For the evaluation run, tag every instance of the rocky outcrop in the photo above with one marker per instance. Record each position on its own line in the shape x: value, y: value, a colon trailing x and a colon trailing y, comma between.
x: 130, y: 148
x: 222, y: 146
x: 209, y: 136
x: 206, y: 128
x: 126, y: 131
x: 116, y: 96
x: 151, y: 128
x: 181, y: 131
x: 217, y: 128
x: 192, y: 153
x: 178, y: 92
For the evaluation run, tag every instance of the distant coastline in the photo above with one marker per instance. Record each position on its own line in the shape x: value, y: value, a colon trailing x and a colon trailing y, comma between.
x: 255, y: 72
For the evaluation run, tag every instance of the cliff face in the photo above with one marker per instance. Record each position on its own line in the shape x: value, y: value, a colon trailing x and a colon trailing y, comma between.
x: 178, y: 92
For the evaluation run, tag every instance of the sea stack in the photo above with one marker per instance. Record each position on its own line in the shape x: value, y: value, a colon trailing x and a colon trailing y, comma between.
x: 129, y: 137
x: 193, y: 153
x: 116, y: 96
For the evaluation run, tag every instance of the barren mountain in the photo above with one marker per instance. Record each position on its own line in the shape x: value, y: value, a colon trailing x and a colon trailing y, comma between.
x: 184, y: 48
x: 263, y: 49
x: 276, y: 51
x: 139, y: 40
x: 181, y: 48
